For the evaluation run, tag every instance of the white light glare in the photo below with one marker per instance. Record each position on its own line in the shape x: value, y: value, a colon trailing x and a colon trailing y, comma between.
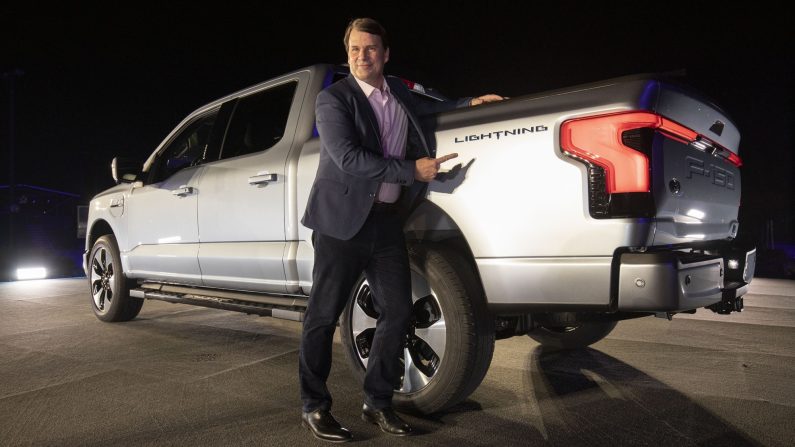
x: 734, y: 264
x: 31, y: 273
x: 695, y: 236
x: 698, y: 214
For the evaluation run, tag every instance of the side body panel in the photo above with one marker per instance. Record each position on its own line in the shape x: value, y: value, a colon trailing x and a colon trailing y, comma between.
x: 162, y: 235
x: 242, y: 217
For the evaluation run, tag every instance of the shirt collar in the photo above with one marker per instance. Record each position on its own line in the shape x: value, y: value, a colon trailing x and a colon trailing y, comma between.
x: 369, y: 89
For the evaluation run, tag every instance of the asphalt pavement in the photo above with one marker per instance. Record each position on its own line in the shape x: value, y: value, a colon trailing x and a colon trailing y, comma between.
x: 180, y: 375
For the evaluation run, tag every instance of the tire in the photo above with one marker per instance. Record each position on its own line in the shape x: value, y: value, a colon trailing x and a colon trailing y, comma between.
x: 109, y: 287
x: 451, y: 340
x: 575, y: 336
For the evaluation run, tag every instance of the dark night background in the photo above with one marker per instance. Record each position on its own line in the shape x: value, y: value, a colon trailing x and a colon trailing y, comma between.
x: 99, y: 82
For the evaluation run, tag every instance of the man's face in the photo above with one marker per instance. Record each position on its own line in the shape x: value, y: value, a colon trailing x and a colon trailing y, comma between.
x: 367, y: 57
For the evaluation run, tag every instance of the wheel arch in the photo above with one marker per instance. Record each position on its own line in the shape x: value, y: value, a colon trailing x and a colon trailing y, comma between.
x: 430, y: 223
x: 99, y: 228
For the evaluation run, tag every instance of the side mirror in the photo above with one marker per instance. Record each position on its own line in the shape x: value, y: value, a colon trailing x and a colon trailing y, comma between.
x: 124, y: 170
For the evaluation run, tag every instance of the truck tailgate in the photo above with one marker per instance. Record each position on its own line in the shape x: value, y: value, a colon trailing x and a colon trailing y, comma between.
x: 695, y: 182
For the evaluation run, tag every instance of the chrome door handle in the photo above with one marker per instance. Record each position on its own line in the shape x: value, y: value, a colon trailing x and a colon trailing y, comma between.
x: 262, y: 177
x: 182, y: 191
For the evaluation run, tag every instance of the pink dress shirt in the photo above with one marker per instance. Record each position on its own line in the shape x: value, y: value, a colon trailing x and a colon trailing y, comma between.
x: 393, y: 125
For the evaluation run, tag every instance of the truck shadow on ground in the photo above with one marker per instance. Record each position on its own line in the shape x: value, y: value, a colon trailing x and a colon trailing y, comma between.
x: 590, y: 398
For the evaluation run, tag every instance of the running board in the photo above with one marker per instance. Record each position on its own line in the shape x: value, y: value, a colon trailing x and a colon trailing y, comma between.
x: 276, y: 306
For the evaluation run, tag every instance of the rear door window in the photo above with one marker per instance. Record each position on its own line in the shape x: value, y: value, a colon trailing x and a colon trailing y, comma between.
x: 259, y: 121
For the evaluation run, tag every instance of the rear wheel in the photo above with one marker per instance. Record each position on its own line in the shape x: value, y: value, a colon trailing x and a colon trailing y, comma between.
x: 110, y: 289
x: 450, y: 343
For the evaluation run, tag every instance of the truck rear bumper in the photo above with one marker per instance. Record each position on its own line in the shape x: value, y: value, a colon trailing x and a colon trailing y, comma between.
x: 665, y: 281
x: 674, y: 281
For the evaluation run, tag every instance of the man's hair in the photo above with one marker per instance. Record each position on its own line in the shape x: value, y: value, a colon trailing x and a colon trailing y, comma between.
x: 366, y: 25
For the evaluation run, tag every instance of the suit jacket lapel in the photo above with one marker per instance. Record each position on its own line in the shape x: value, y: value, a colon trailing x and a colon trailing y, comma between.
x: 397, y: 91
x: 364, y: 106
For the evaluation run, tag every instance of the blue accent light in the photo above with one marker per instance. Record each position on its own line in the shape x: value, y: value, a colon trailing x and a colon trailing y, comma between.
x: 39, y: 188
x: 329, y: 77
x: 648, y: 99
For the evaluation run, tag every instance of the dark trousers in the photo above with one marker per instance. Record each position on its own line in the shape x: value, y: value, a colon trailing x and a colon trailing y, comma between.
x: 378, y: 250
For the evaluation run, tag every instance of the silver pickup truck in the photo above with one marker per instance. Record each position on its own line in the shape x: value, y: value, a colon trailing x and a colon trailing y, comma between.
x: 569, y: 211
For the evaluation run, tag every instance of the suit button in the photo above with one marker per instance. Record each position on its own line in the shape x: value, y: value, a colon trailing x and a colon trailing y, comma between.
x: 372, y: 195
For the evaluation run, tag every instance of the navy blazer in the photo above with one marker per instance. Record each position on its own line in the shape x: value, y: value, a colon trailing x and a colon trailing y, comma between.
x: 352, y: 163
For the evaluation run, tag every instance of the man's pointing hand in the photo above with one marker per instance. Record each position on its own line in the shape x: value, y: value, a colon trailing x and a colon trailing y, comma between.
x: 426, y: 168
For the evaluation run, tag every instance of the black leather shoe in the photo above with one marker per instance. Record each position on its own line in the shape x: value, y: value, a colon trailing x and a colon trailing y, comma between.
x: 387, y: 420
x: 323, y: 426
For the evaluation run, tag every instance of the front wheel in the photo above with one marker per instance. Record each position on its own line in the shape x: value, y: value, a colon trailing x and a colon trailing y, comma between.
x: 450, y: 341
x: 110, y: 289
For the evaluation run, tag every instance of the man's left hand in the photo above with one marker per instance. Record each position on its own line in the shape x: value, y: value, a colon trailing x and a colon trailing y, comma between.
x: 425, y: 169
x: 486, y: 98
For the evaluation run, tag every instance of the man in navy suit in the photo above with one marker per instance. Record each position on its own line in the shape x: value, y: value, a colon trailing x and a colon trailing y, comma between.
x: 372, y: 149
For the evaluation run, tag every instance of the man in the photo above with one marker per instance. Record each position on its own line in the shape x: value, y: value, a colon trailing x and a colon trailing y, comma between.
x: 371, y: 147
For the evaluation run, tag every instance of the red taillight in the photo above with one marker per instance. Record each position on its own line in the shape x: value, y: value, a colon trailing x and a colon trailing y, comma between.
x: 734, y: 159
x: 411, y: 85
x: 598, y: 140
x: 676, y: 130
